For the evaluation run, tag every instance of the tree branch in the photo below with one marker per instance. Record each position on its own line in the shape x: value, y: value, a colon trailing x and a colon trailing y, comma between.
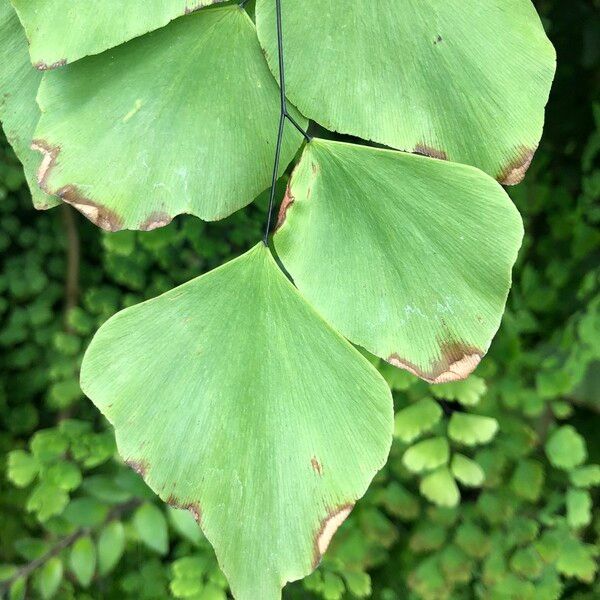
x: 26, y: 570
x: 73, y: 260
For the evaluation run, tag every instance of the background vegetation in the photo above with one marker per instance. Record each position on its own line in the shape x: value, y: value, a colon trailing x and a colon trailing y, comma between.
x: 76, y: 523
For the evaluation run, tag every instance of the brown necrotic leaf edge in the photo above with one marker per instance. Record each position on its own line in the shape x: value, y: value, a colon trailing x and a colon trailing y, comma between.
x: 101, y: 216
x: 327, y: 528
x: 329, y: 525
x: 515, y: 172
x: 457, y: 362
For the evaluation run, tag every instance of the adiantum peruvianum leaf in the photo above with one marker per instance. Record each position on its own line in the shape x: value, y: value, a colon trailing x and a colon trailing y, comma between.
x: 416, y: 419
x: 181, y: 120
x: 427, y: 455
x: 472, y: 430
x: 234, y: 399
x: 467, y: 471
x: 440, y: 488
x: 465, y: 80
x: 61, y: 31
x: 19, y: 113
x: 419, y: 253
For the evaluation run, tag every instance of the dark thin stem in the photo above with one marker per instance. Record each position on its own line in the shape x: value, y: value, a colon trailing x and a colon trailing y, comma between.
x: 274, y: 179
x: 73, y: 259
x: 284, y: 114
x: 26, y: 570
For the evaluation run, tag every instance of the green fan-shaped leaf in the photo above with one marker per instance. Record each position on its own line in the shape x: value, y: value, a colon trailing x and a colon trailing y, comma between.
x: 22, y: 468
x: 472, y: 429
x: 565, y: 448
x: 151, y: 525
x: 416, y: 419
x: 49, y: 578
x: 61, y: 31
x: 181, y: 120
x: 83, y: 560
x: 467, y: 471
x: 440, y: 488
x: 288, y: 423
x: 427, y: 455
x: 431, y: 243
x: 528, y: 480
x: 19, y: 113
x: 465, y: 80
x: 579, y: 508
x: 111, y: 544
x: 586, y: 476
x: 468, y: 391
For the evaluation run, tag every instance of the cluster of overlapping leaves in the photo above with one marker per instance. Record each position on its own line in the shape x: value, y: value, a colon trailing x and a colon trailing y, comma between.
x: 231, y: 395
x: 77, y: 523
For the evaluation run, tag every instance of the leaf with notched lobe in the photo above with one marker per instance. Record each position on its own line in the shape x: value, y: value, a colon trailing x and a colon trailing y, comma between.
x: 465, y: 80
x: 181, y: 120
x: 19, y: 113
x: 235, y: 400
x: 62, y: 31
x: 407, y: 256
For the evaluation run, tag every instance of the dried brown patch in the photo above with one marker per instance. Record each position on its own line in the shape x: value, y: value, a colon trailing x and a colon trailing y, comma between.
x: 193, y: 507
x: 155, y: 220
x: 103, y: 217
x: 139, y: 466
x: 287, y: 201
x: 316, y: 465
x: 42, y: 66
x: 50, y: 154
x: 329, y: 526
x: 425, y: 150
x: 515, y: 171
x: 457, y: 362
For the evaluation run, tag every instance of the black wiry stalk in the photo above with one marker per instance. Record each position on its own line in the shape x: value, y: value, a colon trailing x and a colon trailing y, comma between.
x: 284, y: 114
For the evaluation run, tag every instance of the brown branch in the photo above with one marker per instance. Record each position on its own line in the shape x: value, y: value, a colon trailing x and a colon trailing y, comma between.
x: 73, y: 260
x: 26, y: 570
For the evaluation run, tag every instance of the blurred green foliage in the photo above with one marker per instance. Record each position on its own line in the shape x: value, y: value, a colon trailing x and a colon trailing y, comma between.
x: 491, y: 487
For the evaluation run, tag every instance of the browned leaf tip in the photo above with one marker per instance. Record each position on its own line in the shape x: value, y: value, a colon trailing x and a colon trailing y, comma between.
x: 139, y: 466
x: 425, y: 150
x: 50, y: 154
x: 329, y: 526
x: 515, y: 171
x: 42, y: 66
x: 193, y: 507
x: 457, y: 362
x: 155, y: 220
x: 99, y: 215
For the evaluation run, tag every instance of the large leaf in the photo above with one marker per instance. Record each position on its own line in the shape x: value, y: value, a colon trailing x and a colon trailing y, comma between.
x: 181, y: 120
x: 235, y: 400
x: 19, y: 113
x: 465, y: 80
x: 61, y: 31
x: 410, y: 257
